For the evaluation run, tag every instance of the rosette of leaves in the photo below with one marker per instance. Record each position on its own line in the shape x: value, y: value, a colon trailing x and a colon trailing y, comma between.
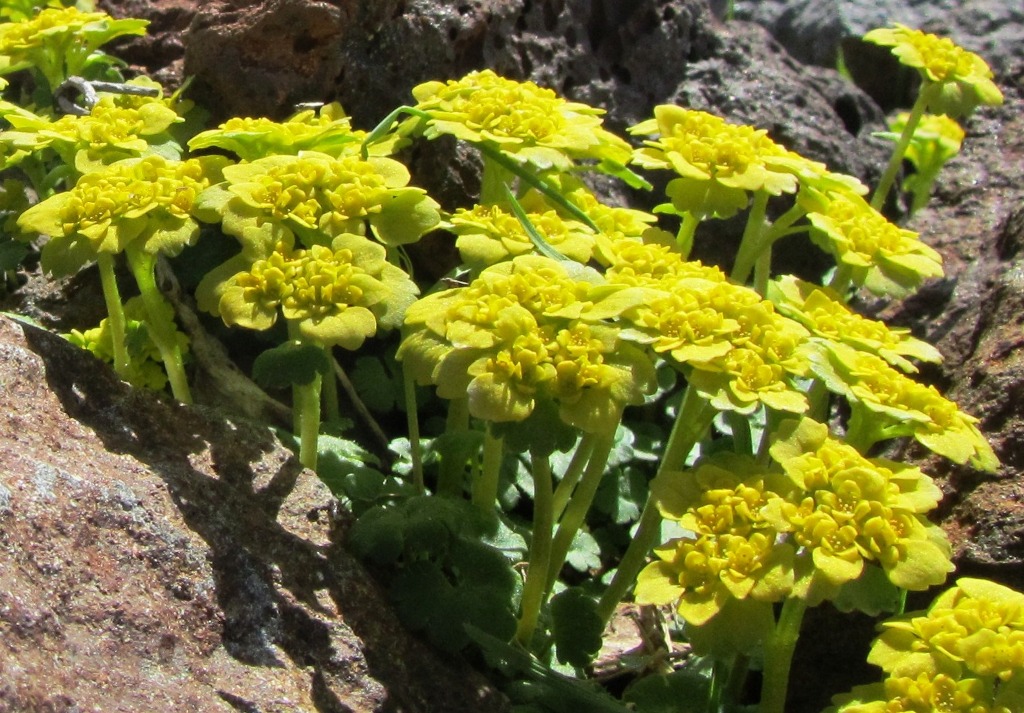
x: 885, y: 403
x: 141, y: 207
x: 330, y: 295
x: 60, y: 42
x: 327, y: 130
x: 954, y: 82
x: 317, y: 197
x: 965, y: 653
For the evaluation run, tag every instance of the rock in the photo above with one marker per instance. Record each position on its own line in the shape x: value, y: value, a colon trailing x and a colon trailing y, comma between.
x: 161, y: 557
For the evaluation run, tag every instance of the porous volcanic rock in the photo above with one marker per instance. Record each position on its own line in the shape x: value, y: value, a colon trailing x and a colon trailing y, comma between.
x: 161, y: 557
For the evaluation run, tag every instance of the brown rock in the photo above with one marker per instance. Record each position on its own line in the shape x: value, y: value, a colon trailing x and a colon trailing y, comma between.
x: 161, y: 557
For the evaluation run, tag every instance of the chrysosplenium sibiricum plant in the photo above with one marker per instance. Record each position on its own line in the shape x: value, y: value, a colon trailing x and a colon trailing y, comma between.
x: 575, y: 348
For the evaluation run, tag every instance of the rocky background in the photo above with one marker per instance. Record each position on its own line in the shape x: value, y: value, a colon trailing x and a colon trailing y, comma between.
x: 158, y: 557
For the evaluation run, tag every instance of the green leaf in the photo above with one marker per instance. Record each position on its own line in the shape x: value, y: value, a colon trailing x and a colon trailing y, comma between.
x: 376, y: 385
x: 576, y: 626
x: 584, y: 553
x: 871, y: 593
x: 11, y: 254
x: 682, y: 691
x: 288, y: 364
x: 377, y: 536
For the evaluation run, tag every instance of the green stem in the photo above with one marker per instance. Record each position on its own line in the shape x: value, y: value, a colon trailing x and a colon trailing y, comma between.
x: 308, y: 401
x: 778, y: 656
x: 579, y: 504
x: 684, y: 238
x: 546, y: 189
x: 452, y: 470
x: 737, y: 679
x: 413, y: 426
x: 841, y: 279
x: 751, y: 243
x: 692, y: 421
x: 573, y: 472
x: 161, y: 329
x: 741, y: 439
x: 115, y: 313
x: 924, y: 98
x: 382, y: 129
x: 485, y: 487
x: 763, y: 269
x: 540, y: 551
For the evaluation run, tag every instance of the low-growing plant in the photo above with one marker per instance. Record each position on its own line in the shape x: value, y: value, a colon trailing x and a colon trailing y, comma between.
x: 578, y: 393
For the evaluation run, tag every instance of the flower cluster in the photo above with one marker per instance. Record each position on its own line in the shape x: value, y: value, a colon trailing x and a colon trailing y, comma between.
x: 117, y: 127
x: 145, y: 368
x: 146, y: 202
x: 879, y: 255
x: 965, y: 654
x: 318, y: 197
x: 827, y: 317
x: 888, y: 404
x: 59, y: 41
x: 528, y: 330
x: 801, y: 529
x: 490, y: 234
x: 328, y: 131
x: 524, y: 121
x: 964, y: 79
x: 719, y: 163
x: 337, y: 295
x: 736, y: 350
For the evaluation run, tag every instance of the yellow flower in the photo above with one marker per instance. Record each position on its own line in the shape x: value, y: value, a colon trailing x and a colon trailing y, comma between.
x: 318, y: 197
x: 147, y: 201
x: 328, y: 131
x: 888, y: 404
x: 964, y: 79
x: 733, y: 552
x: 524, y: 331
x: 527, y: 122
x: 337, y: 295
x: 965, y: 653
x: 651, y: 262
x: 823, y: 312
x: 59, y: 41
x: 718, y: 162
x: 848, y: 510
x: 489, y: 234
x: 881, y: 256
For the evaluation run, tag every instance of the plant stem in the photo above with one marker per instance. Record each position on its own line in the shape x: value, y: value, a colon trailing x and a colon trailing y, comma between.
x: 573, y: 472
x: 413, y: 425
x: 684, y: 238
x: 763, y: 269
x: 778, y: 656
x: 692, y: 421
x: 579, y: 504
x: 924, y: 98
x: 751, y: 244
x: 540, y: 550
x: 308, y: 401
x: 485, y: 487
x: 452, y: 470
x: 115, y: 313
x: 161, y: 329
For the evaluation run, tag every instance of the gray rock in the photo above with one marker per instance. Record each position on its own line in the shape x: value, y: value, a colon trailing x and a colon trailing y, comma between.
x: 161, y: 557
